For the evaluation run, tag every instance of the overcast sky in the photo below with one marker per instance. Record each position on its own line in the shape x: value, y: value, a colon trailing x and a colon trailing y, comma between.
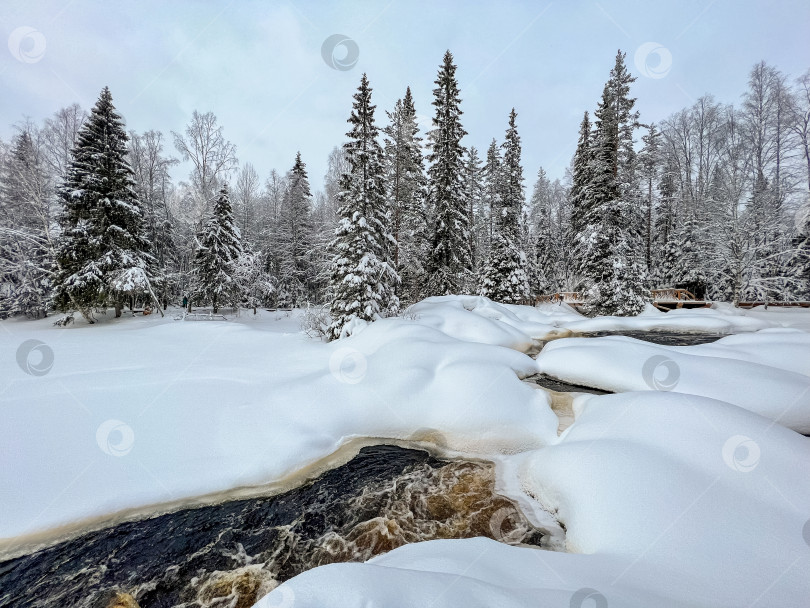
x: 259, y: 66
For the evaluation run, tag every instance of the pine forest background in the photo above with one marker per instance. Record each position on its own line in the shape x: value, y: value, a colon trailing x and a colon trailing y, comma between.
x: 714, y: 199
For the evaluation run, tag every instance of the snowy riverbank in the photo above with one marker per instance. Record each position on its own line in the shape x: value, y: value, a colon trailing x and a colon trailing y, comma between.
x: 668, y: 497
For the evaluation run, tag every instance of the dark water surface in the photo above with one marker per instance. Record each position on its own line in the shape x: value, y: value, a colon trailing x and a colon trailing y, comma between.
x: 233, y: 553
x: 668, y: 338
x: 553, y: 384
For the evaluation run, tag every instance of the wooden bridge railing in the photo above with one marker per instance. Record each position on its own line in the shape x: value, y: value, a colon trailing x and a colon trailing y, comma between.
x: 664, y: 299
x: 658, y: 295
x: 672, y: 295
x: 569, y: 297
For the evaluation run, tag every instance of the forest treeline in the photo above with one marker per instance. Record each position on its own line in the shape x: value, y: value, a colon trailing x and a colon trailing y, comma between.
x: 713, y: 199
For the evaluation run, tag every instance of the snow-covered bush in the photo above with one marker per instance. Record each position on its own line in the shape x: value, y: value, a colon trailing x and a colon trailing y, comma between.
x: 315, y: 321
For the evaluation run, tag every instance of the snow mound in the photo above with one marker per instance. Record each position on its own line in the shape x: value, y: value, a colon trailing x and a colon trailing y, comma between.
x: 764, y: 372
x: 479, y: 319
x: 475, y: 572
x: 708, y: 320
x: 691, y: 485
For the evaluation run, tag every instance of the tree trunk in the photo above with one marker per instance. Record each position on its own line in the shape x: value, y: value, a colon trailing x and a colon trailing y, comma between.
x: 119, y: 306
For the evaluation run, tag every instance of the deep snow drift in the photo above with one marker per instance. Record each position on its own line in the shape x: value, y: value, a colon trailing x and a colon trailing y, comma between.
x: 669, y: 498
x: 766, y: 372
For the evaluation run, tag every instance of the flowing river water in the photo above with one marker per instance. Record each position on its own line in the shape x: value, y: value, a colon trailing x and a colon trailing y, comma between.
x: 231, y: 554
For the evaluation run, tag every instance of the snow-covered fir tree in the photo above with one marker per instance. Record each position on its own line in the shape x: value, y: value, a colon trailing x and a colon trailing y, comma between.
x: 544, y: 255
x: 476, y: 208
x: 450, y: 265
x: 648, y: 167
x: 363, y: 279
x: 219, y: 247
x: 294, y: 237
x: 503, y: 277
x: 102, y: 254
x: 565, y: 277
x: 612, y: 260
x: 406, y: 191
x: 493, y: 189
x: 664, y: 239
x: 686, y: 265
x: 580, y: 199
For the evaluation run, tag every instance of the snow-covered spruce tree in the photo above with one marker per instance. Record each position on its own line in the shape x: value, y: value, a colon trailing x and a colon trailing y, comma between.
x: 543, y: 258
x: 686, y: 270
x: 649, y: 161
x: 294, y: 237
x: 503, y: 277
x: 219, y: 247
x: 664, y: 239
x: 102, y: 253
x: 449, y: 268
x: 363, y: 278
x: 580, y: 199
x: 613, y: 261
x: 476, y: 208
x: 493, y: 188
x: 406, y: 192
x: 26, y: 237
x: 565, y: 277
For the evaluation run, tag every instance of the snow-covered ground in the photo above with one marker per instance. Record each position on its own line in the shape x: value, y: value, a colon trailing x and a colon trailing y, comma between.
x: 669, y: 497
